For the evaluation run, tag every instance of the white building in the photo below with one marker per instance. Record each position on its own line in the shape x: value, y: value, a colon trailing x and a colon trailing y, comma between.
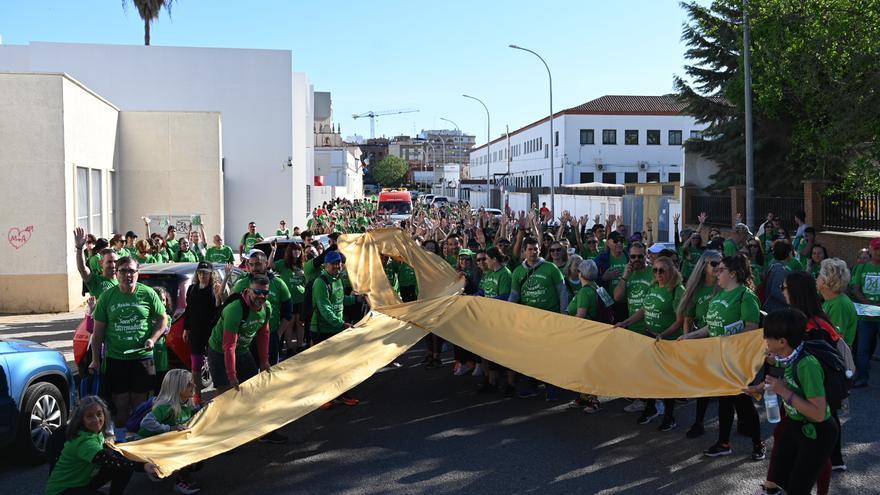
x: 337, y: 169
x: 73, y: 159
x: 266, y: 110
x: 611, y: 140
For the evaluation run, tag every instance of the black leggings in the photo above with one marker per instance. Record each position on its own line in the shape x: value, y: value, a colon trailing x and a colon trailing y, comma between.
x: 118, y: 479
x: 748, y: 417
x: 798, y: 459
x: 702, y: 406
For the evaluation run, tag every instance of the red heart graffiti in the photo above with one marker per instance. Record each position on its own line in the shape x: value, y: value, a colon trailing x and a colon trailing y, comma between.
x: 19, y: 237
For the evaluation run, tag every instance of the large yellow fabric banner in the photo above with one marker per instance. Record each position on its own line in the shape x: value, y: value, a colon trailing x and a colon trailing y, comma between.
x: 571, y: 353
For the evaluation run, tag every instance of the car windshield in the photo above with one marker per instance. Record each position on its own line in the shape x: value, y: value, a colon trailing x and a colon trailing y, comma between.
x: 171, y: 283
x: 396, y: 207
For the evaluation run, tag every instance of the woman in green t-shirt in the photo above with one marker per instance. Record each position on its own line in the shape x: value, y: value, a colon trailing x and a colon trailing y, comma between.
x: 807, y: 434
x: 660, y: 312
x: 292, y: 273
x: 699, y: 292
x: 733, y: 310
x: 832, y: 282
x: 817, y: 255
x: 142, y: 254
x: 585, y: 304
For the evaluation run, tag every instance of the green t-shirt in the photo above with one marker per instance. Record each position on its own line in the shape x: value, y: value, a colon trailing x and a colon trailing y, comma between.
x: 311, y: 271
x: 328, y: 304
x: 94, y: 263
x: 730, y: 247
x: 282, y: 232
x: 637, y: 287
x: 730, y: 310
x: 165, y: 414
x: 123, y: 252
x: 406, y: 275
x: 812, y: 384
x: 589, y: 254
x: 867, y: 278
x: 690, y: 261
x: 144, y: 260
x: 496, y: 283
x: 129, y: 319
x: 585, y: 299
x: 294, y: 278
x: 249, y: 240
x: 186, y: 257
x: 278, y: 295
x: 619, y: 262
x: 173, y: 245
x: 702, y: 298
x: 538, y: 290
x: 98, y: 284
x: 794, y: 265
x: 391, y: 274
x: 660, y: 306
x: 231, y: 321
x: 220, y: 254
x: 74, y: 468
x: 843, y: 315
x: 756, y: 273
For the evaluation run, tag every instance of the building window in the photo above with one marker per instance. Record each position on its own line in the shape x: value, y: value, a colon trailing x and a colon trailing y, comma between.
x: 89, y: 201
x: 653, y: 136
x: 609, y: 136
x: 674, y: 177
x: 560, y: 179
x: 631, y: 136
x: 697, y: 135
x: 587, y: 136
x: 555, y: 138
x: 675, y: 138
x: 546, y: 151
x: 630, y: 177
x: 609, y: 178
x: 652, y: 177
x: 587, y: 177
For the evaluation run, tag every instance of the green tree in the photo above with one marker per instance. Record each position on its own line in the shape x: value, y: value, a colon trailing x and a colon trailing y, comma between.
x: 390, y: 171
x: 815, y: 70
x: 149, y: 11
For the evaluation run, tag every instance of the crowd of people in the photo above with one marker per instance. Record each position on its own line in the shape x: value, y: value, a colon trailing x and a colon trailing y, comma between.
x: 703, y: 285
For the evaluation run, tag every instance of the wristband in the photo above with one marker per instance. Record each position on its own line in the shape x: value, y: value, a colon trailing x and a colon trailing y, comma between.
x: 624, y: 279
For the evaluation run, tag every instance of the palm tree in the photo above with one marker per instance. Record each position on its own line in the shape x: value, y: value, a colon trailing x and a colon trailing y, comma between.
x: 149, y: 12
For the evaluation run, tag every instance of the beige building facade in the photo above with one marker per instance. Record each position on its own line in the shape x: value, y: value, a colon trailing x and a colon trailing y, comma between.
x: 71, y: 158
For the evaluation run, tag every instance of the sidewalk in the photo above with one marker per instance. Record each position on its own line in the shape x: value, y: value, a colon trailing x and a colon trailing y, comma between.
x: 7, y: 319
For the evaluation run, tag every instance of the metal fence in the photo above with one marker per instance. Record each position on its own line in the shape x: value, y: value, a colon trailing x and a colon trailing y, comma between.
x: 716, y: 207
x: 851, y: 212
x: 783, y: 207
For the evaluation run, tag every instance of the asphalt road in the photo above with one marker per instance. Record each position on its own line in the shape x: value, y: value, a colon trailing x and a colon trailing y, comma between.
x: 425, y: 431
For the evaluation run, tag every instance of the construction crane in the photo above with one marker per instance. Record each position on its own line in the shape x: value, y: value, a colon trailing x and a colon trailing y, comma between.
x: 372, y: 115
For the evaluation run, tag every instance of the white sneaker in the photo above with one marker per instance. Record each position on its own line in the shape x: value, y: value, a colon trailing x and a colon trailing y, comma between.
x: 478, y: 370
x: 636, y: 406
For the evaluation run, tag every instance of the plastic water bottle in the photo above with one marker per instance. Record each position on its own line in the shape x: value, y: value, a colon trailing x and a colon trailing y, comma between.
x: 771, y: 405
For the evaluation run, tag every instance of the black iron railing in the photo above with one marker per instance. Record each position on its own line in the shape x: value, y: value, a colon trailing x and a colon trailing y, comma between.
x: 851, y: 211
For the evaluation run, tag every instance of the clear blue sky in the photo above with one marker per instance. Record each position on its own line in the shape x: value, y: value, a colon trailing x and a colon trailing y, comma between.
x: 383, y: 55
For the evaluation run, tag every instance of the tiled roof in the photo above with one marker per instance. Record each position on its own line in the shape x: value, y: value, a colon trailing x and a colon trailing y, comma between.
x: 630, y: 105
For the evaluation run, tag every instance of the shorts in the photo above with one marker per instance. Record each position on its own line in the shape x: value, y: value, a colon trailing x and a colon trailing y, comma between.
x: 297, y: 308
x: 245, y: 367
x: 125, y: 376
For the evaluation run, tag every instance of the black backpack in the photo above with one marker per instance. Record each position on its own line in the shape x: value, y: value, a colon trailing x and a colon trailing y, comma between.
x: 836, y: 383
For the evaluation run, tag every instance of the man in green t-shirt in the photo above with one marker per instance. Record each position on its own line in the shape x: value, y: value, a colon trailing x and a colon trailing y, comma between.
x: 741, y: 235
x: 281, y: 321
x: 219, y: 252
x: 185, y: 253
x: 249, y: 239
x: 282, y: 229
x: 634, y: 284
x: 865, y: 286
x: 129, y: 319
x: 96, y: 282
x: 329, y: 299
x: 171, y: 242
x: 229, y: 354
x: 451, y: 249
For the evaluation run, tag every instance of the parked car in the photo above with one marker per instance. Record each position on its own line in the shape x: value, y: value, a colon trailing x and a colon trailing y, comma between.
x: 439, y: 201
x: 495, y: 212
x: 426, y: 198
x: 175, y: 278
x: 37, y: 392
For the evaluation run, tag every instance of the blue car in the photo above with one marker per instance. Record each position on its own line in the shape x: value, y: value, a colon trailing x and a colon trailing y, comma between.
x: 37, y: 392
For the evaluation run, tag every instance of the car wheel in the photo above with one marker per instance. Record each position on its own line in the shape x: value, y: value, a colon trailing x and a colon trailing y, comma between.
x: 44, y: 412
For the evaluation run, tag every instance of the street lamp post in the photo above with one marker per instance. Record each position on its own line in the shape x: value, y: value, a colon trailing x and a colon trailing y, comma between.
x: 488, y: 139
x: 552, y: 143
x: 750, y: 150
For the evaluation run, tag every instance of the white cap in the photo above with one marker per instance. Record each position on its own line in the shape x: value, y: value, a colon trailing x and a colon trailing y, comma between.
x: 252, y: 252
x: 656, y: 248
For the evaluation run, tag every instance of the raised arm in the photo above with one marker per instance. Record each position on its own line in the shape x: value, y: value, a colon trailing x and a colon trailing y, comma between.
x: 79, y: 240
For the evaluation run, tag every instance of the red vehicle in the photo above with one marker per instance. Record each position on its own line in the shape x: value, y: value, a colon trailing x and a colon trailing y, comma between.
x: 175, y: 278
x: 395, y: 202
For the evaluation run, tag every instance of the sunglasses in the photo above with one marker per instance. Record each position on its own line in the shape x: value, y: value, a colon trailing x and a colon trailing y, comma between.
x: 714, y: 264
x: 127, y: 271
x: 659, y: 270
x: 637, y: 256
x: 260, y: 292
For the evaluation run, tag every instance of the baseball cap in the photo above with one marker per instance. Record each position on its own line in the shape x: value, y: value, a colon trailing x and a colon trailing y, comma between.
x: 204, y: 266
x: 465, y: 252
x: 130, y: 234
x: 252, y: 252
x: 332, y: 257
x: 655, y: 248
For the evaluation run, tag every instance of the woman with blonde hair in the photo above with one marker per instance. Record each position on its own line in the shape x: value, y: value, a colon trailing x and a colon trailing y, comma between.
x: 832, y: 283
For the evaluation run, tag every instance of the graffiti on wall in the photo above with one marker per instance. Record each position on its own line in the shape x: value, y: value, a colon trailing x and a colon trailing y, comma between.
x: 18, y: 237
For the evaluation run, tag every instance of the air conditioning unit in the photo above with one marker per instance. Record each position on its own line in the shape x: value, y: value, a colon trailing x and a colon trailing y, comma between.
x: 600, y: 166
x: 643, y: 166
